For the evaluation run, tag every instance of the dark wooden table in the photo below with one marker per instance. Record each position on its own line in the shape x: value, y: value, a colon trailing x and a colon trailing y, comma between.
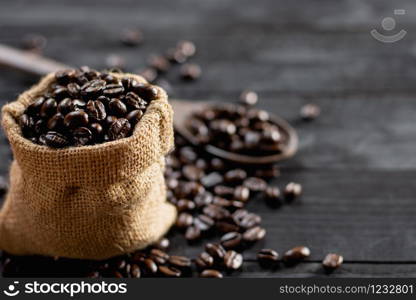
x: 357, y: 162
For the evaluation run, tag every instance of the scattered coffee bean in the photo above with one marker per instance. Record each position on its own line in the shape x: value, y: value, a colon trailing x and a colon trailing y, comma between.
x: 249, y: 98
x: 204, y: 261
x: 190, y: 71
x: 332, y: 261
x: 310, y: 112
x: 241, y: 193
x: 273, y: 196
x: 231, y: 240
x: 296, y: 254
x: 254, y: 234
x: 292, y: 191
x: 131, y: 37
x: 169, y: 271
x: 215, y: 250
x: 255, y: 184
x: 267, y: 258
x: 210, y: 274
x: 159, y: 256
x: 193, y: 233
x: 162, y: 244
x: 180, y: 262
x: 187, y: 48
x: 184, y: 220
x: 233, y: 260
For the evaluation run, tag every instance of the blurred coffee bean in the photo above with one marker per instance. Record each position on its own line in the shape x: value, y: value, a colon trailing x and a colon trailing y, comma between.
x: 231, y: 240
x: 193, y: 233
x: 236, y: 175
x: 215, y: 250
x: 159, y: 256
x: 241, y: 193
x: 55, y: 140
x: 203, y: 222
x: 82, y: 136
x: 248, y: 97
x: 131, y: 37
x: 332, y: 261
x: 254, y: 234
x: 255, y: 184
x: 310, y: 112
x: 184, y: 220
x: 211, y: 179
x: 162, y: 244
x: 192, y: 173
x: 204, y: 261
x: 292, y: 191
x: 185, y: 205
x: 187, y: 48
x: 119, y: 129
x: 273, y: 196
x: 296, y: 254
x: 159, y: 63
x: 267, y: 258
x: 180, y: 262
x: 190, y: 71
x: 233, y: 260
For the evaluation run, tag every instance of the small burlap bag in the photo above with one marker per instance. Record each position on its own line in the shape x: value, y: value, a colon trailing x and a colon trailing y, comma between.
x: 89, y: 202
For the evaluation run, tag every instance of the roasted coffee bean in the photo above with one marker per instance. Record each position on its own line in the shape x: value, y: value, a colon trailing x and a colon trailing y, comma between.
x: 203, y: 222
x: 190, y: 71
x: 34, y: 108
x: 255, y: 184
x: 146, y: 91
x: 134, y: 101
x: 162, y: 244
x: 159, y: 256
x: 241, y: 193
x: 296, y: 254
x: 224, y: 226
x: 26, y: 124
x: 192, y: 173
x: 40, y: 126
x: 64, y: 76
x: 203, y: 199
x: 231, y: 240
x: 119, y: 129
x: 56, y: 122
x: 184, y: 220
x: 134, y: 116
x: 131, y: 37
x: 236, y: 175
x: 55, y: 140
x: 78, y: 104
x: 215, y: 250
x: 193, y: 233
x: 273, y: 196
x: 248, y: 97
x: 223, y: 191
x: 254, y: 234
x: 209, y: 273
x: 135, y: 271
x: 113, y: 90
x: 65, y: 106
x: 292, y: 191
x: 96, y: 130
x: 216, y: 212
x: 249, y: 220
x: 96, y: 110
x: 76, y: 119
x: 168, y: 271
x: 217, y: 164
x: 268, y: 173
x: 187, y: 48
x: 93, y: 87
x: 159, y: 63
x: 267, y: 258
x: 332, y: 261
x: 82, y: 136
x: 204, y: 261
x: 233, y: 260
x: 175, y: 56
x: 218, y: 201
x: 117, y: 107
x: 185, y: 204
x: 180, y: 262
x: 149, y: 266
x: 48, y: 108
x: 73, y: 89
x: 211, y: 179
x: 310, y: 112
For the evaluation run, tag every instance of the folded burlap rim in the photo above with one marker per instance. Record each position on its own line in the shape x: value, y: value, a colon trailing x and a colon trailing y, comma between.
x: 157, y: 121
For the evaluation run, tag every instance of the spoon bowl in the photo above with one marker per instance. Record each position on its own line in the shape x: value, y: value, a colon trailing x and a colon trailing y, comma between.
x: 184, y: 109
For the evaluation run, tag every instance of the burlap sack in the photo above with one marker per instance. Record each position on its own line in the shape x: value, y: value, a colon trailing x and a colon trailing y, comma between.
x: 87, y: 202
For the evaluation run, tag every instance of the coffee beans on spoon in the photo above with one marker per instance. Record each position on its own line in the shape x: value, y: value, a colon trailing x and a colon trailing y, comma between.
x: 86, y: 107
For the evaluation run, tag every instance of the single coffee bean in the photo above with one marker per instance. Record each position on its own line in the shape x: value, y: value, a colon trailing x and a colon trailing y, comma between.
x: 117, y: 107
x: 175, y: 56
x: 248, y: 220
x: 203, y: 222
x: 74, y: 90
x: 193, y: 233
x: 93, y: 87
x: 55, y: 140
x: 202, y: 199
x: 249, y: 98
x: 76, y: 119
x: 146, y: 91
x: 82, y: 136
x: 310, y: 112
x: 162, y: 244
x: 159, y: 63
x: 34, y: 108
x: 254, y: 234
x: 192, y: 173
x: 131, y: 37
x: 231, y: 240
x: 169, y: 271
x: 56, y: 122
x: 64, y: 76
x: 224, y: 226
x: 113, y: 90
x: 296, y: 254
x: 180, y: 262
x: 134, y: 116
x: 60, y: 93
x: 187, y: 48
x: 292, y: 191
x: 184, y: 220
x: 208, y: 273
x: 235, y: 175
x: 267, y: 258
x: 211, y: 179
x: 26, y: 124
x: 241, y: 193
x: 185, y: 205
x: 215, y: 250
x: 134, y: 101
x: 190, y: 71
x: 65, y: 106
x: 96, y: 110
x: 216, y: 212
x: 119, y: 129
x: 332, y: 261
x: 149, y: 266
x: 159, y: 256
x: 273, y: 196
x: 96, y: 130
x: 48, y: 108
x: 135, y: 271
x: 223, y: 191
x: 255, y: 184
x: 204, y: 261
x: 233, y: 260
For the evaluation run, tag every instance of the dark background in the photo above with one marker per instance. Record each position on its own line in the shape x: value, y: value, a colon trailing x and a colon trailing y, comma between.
x: 357, y: 162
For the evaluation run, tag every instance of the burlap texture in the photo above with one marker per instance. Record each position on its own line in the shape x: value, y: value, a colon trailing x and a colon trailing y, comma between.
x: 89, y: 202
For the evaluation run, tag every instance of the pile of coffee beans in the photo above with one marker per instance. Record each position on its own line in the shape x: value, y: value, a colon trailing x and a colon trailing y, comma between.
x: 238, y: 128
x: 86, y: 107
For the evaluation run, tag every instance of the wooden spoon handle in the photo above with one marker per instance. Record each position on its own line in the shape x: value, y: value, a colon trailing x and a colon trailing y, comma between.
x: 28, y: 62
